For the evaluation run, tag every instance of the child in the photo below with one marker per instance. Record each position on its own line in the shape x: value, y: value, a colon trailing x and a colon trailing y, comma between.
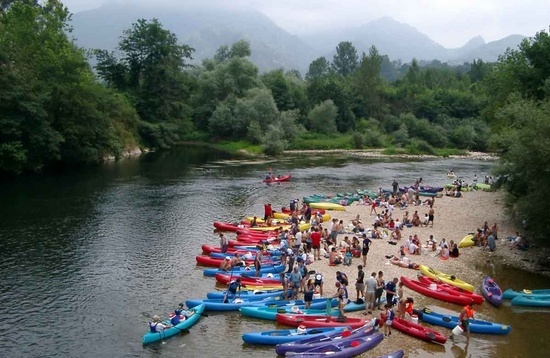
x: 347, y: 257
x: 390, y: 315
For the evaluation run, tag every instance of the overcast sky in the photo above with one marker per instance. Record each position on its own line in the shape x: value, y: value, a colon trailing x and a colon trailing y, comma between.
x: 449, y: 22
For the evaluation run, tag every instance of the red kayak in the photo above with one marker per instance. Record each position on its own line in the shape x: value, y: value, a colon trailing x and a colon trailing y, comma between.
x: 245, y: 231
x: 278, y: 179
x: 208, y: 249
x: 314, y: 321
x: 418, y: 331
x: 426, y: 289
x: 247, y: 280
x: 223, y: 226
x: 478, y: 299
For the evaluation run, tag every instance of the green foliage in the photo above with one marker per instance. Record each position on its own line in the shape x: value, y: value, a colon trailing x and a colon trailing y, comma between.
x: 358, y: 140
x: 273, y: 142
x: 322, y: 142
x: 322, y: 118
x: 419, y: 146
x: 345, y: 60
x: 318, y: 69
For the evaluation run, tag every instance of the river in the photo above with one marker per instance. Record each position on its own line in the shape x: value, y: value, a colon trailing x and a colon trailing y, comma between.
x: 88, y: 256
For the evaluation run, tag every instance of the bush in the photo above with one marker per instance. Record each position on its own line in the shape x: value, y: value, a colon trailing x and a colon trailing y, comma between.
x: 419, y: 146
x: 357, y: 140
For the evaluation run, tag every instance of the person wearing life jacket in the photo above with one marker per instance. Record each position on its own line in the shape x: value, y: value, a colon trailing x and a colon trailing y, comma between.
x: 464, y: 319
x: 409, y: 307
x: 319, y: 282
x: 156, y: 325
x: 177, y: 316
x: 232, y: 288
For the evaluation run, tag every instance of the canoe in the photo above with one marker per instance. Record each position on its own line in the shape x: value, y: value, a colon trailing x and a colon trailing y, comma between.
x: 396, y: 354
x: 531, y: 300
x: 284, y: 216
x: 328, y: 206
x: 510, y: 294
x: 268, y: 255
x: 275, y: 269
x: 477, y: 299
x: 308, y: 343
x: 427, y: 290
x: 270, y: 313
x: 344, y: 348
x: 467, y: 241
x: 279, y: 179
x: 194, y: 313
x: 351, y: 306
x: 208, y: 249
x: 302, y: 226
x: 482, y: 186
x: 418, y: 331
x: 223, y: 226
x: 449, y: 279
x: 491, y: 291
x: 318, y: 321
x: 476, y: 326
x: 246, y: 293
x: 429, y: 194
x: 216, y: 304
x: 286, y: 335
x: 216, y: 261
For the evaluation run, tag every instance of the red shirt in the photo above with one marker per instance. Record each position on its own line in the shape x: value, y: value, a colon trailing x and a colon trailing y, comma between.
x: 268, y: 210
x: 316, y: 239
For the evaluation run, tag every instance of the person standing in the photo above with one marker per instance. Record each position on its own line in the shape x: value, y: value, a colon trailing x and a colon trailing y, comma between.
x: 342, y: 295
x: 391, y: 290
x: 370, y: 288
x: 258, y: 262
x: 390, y: 315
x: 431, y: 213
x: 224, y: 243
x: 395, y: 187
x: 360, y: 283
x: 342, y: 278
x: 316, y: 244
x: 380, y: 285
x: 308, y: 295
x: 464, y: 319
x: 365, y: 249
x: 295, y: 281
x: 268, y: 211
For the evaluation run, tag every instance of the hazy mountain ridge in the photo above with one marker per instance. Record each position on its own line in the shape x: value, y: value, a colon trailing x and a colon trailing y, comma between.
x: 207, y: 28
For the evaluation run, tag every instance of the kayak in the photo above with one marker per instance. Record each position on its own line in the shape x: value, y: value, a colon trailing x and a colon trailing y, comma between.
x: 245, y: 280
x: 308, y: 343
x: 287, y: 335
x: 448, y: 279
x: 510, y: 294
x: 223, y: 226
x: 216, y: 261
x: 352, y: 306
x: 278, y: 179
x: 270, y: 313
x: 344, y: 348
x: 286, y: 210
x: 396, y: 354
x: 467, y: 241
x: 275, y: 269
x: 434, y: 292
x: 302, y: 226
x: 284, y: 216
x: 328, y: 206
x: 477, y: 299
x: 476, y: 326
x: 531, y: 300
x: 482, y: 186
x: 194, y: 314
x: 208, y: 249
x: 491, y: 291
x: 418, y: 331
x: 310, y: 321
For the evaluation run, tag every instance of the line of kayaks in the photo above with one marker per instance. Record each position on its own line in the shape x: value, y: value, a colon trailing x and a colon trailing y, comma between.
x: 529, y: 298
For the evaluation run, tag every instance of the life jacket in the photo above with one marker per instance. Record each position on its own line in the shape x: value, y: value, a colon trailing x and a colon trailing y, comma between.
x: 409, y: 308
x: 469, y: 311
x: 153, y: 327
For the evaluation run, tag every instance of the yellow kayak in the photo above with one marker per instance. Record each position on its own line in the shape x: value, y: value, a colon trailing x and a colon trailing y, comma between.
x: 284, y: 216
x: 328, y: 206
x: 448, y: 279
x: 467, y: 241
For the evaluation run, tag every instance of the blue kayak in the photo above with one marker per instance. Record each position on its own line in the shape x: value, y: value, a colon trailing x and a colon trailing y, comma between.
x: 254, y: 293
x: 270, y: 313
x: 476, y: 326
x: 352, y: 306
x: 192, y: 315
x: 308, y: 343
x: 510, y: 294
x: 211, y: 272
x: 286, y: 335
x: 235, y: 304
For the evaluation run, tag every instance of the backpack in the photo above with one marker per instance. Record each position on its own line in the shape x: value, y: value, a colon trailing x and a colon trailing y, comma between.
x: 392, y: 315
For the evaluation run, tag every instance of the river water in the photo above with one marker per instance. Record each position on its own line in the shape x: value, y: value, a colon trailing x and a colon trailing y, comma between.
x: 88, y: 256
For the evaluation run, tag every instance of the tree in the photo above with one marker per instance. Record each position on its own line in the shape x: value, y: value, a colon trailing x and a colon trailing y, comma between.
x: 345, y: 60
x: 368, y: 85
x: 322, y: 118
x: 318, y: 69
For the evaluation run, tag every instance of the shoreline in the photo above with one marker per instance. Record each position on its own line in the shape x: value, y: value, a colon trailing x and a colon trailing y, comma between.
x: 454, y: 219
x: 377, y: 153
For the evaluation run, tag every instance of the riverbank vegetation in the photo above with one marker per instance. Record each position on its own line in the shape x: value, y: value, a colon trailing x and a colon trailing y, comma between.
x: 57, y: 110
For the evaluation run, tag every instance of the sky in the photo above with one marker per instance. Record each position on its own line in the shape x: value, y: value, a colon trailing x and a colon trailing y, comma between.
x: 451, y: 23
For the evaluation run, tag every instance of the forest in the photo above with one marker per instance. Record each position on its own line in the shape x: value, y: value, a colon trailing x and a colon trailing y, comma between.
x: 56, y: 110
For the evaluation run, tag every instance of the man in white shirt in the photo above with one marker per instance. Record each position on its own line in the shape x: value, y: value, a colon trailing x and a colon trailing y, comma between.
x: 370, y: 287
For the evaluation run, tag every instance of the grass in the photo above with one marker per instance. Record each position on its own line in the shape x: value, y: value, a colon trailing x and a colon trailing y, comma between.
x: 318, y: 142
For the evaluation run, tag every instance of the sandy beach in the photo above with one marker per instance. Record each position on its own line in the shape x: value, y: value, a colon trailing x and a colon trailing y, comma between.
x: 454, y: 218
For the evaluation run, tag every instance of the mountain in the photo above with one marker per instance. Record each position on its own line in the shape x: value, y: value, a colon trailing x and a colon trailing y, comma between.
x: 207, y: 27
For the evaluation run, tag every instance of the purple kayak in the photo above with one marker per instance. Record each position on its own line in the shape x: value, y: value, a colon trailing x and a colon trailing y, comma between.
x: 343, y: 349
x: 491, y: 291
x: 306, y: 344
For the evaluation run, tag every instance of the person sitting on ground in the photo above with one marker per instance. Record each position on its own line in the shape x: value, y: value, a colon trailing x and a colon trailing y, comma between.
x: 347, y: 257
x: 236, y: 261
x: 401, y: 253
x: 414, y: 249
x: 431, y: 244
x: 334, y: 257
x: 444, y: 253
x: 454, y: 251
x: 156, y: 325
x: 416, y: 219
x: 396, y: 235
